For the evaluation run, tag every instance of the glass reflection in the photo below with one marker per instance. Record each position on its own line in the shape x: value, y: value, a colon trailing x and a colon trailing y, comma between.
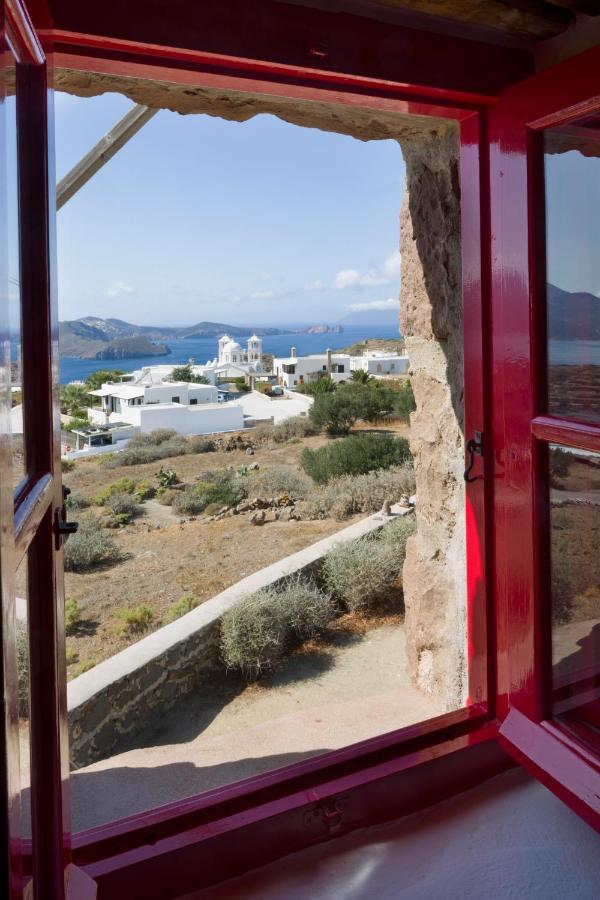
x: 572, y: 174
x: 575, y: 572
x: 14, y: 280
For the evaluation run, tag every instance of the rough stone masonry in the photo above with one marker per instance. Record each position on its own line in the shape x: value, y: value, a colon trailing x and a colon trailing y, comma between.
x: 431, y: 321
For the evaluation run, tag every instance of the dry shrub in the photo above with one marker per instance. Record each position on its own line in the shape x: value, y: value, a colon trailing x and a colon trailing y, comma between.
x: 351, y: 494
x: 89, y: 547
x: 294, y: 427
x: 257, y: 634
x: 362, y: 573
x: 279, y: 480
x: 136, y: 620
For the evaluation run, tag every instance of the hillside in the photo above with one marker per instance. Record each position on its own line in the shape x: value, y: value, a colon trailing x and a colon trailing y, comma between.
x: 391, y: 345
x: 573, y: 316
x: 94, y: 338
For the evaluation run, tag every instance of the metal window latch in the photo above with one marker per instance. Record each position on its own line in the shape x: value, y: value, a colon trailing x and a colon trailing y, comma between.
x: 474, y: 446
x: 62, y: 528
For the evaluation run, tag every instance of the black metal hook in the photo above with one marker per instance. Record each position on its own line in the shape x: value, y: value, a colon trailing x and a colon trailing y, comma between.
x: 475, y: 445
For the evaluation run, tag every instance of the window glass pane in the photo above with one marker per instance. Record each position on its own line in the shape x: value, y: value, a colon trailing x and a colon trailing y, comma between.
x: 23, y: 687
x: 14, y: 280
x: 572, y: 170
x: 240, y: 596
x: 575, y: 569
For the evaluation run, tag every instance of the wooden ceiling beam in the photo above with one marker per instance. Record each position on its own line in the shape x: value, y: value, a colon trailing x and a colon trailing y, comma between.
x: 536, y: 19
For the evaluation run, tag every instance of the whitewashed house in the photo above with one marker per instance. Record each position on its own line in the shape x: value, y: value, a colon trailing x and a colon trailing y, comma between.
x: 380, y: 362
x: 293, y: 369
x: 188, y: 408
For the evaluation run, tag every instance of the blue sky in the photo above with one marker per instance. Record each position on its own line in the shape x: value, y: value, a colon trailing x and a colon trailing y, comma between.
x: 246, y: 223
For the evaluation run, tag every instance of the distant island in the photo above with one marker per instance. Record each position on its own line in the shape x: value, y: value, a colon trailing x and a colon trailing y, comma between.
x: 95, y: 338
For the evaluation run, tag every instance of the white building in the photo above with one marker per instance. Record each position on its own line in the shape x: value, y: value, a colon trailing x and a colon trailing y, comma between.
x: 188, y: 408
x: 379, y: 362
x: 293, y: 369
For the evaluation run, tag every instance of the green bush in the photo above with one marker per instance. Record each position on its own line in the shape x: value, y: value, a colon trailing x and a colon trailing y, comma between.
x: 362, y: 573
x: 84, y: 666
x: 67, y: 465
x: 277, y: 481
x: 135, y: 620
x: 124, y: 506
x: 76, y: 423
x: 343, y: 497
x: 354, y: 455
x: 90, y: 546
x: 185, y: 373
x: 144, y: 491
x: 165, y: 496
x: 95, y: 380
x: 72, y: 615
x: 323, y: 385
x: 404, y: 401
x: 195, y: 498
x: 167, y: 477
x: 398, y: 531
x: 76, y: 501
x: 260, y: 631
x: 121, y: 486
x: 181, y: 607
x: 338, y: 412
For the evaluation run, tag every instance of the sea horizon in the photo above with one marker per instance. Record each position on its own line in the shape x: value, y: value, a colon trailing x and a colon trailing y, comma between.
x: 203, y: 350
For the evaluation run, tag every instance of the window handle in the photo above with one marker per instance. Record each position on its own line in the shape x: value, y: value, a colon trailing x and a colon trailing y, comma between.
x: 474, y: 446
x: 62, y: 528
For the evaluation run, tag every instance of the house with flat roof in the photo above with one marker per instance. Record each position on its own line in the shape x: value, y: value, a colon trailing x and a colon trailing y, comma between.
x: 186, y: 407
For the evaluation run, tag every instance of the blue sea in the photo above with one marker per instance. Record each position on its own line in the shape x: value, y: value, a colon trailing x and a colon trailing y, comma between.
x: 204, y: 349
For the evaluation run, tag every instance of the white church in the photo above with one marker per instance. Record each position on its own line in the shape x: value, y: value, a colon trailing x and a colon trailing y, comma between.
x: 233, y: 354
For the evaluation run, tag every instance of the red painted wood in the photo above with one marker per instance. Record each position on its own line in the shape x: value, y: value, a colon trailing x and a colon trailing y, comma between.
x: 49, y: 772
x: 204, y: 854
x: 10, y: 781
x: 23, y: 37
x: 521, y: 428
x: 543, y: 751
x: 275, y: 32
x: 479, y: 494
x: 581, y: 435
x: 515, y: 400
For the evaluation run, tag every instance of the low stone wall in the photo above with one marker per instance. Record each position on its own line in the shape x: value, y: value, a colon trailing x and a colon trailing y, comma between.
x: 121, y: 695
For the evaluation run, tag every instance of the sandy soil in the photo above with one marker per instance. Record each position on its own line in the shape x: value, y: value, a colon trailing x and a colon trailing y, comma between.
x: 165, y: 558
x: 352, y: 687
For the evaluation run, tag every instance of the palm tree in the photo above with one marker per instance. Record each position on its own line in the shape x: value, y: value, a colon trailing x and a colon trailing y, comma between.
x: 361, y: 376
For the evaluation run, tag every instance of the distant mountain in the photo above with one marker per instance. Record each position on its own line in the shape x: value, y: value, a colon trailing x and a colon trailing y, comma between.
x: 572, y: 316
x: 95, y: 338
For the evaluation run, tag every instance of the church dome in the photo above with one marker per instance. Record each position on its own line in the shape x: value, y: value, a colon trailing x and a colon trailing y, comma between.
x: 254, y: 338
x: 232, y: 345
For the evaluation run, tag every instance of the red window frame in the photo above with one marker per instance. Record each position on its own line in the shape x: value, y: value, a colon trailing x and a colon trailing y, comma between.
x: 204, y: 839
x: 356, y: 783
x: 522, y: 429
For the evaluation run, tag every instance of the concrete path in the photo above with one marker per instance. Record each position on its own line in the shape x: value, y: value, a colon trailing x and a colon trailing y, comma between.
x: 322, y: 700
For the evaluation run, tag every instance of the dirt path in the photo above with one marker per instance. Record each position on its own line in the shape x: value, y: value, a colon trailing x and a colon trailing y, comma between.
x: 323, y: 699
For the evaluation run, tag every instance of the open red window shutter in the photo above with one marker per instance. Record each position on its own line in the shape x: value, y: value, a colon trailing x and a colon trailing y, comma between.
x: 546, y: 411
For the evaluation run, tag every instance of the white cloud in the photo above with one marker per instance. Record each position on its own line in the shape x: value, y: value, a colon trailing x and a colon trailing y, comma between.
x: 390, y: 303
x: 345, y: 279
x: 118, y: 288
x: 261, y: 295
x: 352, y: 278
x: 392, y: 264
x: 316, y: 285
